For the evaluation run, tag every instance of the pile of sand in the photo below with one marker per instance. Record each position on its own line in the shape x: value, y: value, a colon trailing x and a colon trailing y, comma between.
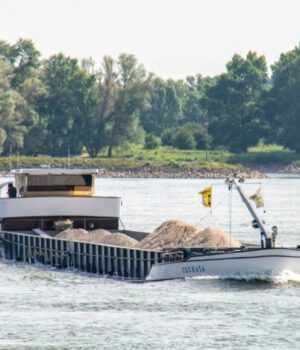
x: 171, y: 234
x: 73, y: 234
x: 98, y: 236
x: 213, y: 237
x: 119, y: 239
x: 175, y: 234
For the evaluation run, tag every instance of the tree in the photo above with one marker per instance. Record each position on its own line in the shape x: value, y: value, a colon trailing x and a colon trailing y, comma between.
x: 165, y: 110
x: 237, y: 119
x: 61, y: 109
x: 131, y: 96
x: 194, y: 110
x: 283, y: 104
x: 15, y: 113
x: 34, y: 92
x: 24, y: 58
x: 121, y: 93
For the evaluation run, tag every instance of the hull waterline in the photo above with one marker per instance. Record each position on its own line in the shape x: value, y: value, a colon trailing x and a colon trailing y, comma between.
x: 239, y: 263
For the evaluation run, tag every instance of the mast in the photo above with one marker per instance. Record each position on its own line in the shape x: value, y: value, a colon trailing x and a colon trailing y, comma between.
x: 260, y: 223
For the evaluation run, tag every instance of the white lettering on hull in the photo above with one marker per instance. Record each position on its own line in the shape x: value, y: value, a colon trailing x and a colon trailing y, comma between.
x: 191, y: 270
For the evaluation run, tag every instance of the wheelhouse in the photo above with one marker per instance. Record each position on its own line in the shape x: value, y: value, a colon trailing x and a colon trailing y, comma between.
x: 48, y: 195
x: 55, y: 182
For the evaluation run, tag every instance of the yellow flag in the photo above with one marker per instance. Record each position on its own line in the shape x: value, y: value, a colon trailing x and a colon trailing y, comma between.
x: 206, y: 196
x: 258, y: 198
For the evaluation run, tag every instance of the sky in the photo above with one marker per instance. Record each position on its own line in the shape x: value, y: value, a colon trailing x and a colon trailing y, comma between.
x: 171, y: 38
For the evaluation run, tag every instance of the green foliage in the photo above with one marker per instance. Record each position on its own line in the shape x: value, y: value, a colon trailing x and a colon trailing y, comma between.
x: 165, y: 108
x: 237, y: 119
x: 184, y: 139
x: 15, y: 112
x: 23, y: 57
x: 174, y: 103
x: 136, y: 157
x: 187, y: 136
x: 57, y: 106
x: 284, y: 100
x: 167, y: 137
x: 151, y: 141
x: 61, y: 110
x: 264, y: 158
x: 114, y: 104
x: 262, y: 154
x: 263, y: 148
x: 129, y: 97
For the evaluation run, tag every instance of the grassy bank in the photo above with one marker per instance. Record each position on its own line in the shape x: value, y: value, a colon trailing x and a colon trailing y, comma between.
x: 164, y: 157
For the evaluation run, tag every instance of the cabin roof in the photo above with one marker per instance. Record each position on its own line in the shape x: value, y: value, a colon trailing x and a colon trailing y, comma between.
x: 55, y: 171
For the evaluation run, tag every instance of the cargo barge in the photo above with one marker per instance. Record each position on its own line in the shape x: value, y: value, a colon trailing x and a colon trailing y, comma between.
x: 44, y: 197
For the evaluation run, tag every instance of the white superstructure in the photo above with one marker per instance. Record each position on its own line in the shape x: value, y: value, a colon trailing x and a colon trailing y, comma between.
x: 46, y: 195
x: 60, y: 206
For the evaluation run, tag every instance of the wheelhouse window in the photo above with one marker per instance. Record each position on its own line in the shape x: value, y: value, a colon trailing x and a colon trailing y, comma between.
x: 36, y: 185
x: 40, y: 183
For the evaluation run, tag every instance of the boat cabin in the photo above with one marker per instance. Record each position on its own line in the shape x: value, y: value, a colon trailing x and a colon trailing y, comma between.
x: 47, y: 195
x: 55, y: 182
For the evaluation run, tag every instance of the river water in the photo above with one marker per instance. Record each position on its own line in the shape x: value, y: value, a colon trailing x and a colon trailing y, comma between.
x: 45, y: 308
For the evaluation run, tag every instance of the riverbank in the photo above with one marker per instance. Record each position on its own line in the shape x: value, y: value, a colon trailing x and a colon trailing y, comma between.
x: 173, y: 173
x: 166, y: 163
x: 170, y: 164
x: 280, y: 169
x: 180, y: 173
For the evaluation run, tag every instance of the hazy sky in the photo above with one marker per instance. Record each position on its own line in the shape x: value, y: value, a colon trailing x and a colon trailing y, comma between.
x: 172, y: 38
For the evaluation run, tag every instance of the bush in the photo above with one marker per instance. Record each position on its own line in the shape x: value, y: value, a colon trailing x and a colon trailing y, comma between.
x: 184, y: 139
x: 202, y: 138
x: 151, y: 141
x: 167, y: 137
x: 187, y: 136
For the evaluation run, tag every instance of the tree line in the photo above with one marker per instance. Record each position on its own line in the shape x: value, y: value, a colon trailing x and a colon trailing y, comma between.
x: 59, y: 106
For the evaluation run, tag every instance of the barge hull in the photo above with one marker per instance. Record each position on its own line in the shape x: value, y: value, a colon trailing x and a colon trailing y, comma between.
x: 255, y: 262
x: 104, y: 260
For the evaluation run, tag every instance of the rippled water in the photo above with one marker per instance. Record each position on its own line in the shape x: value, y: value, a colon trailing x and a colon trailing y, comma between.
x: 44, y: 308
